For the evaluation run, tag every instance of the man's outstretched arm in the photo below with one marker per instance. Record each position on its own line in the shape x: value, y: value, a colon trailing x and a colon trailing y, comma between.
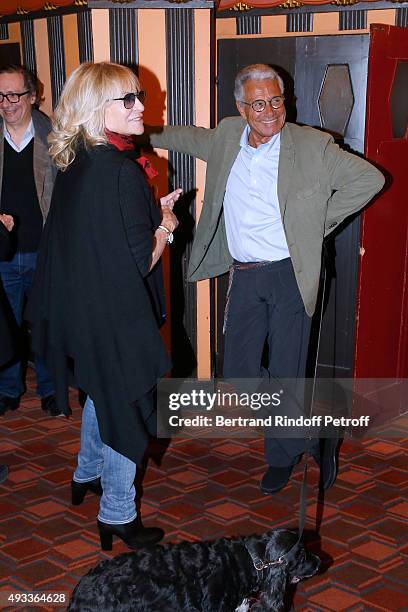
x: 187, y: 139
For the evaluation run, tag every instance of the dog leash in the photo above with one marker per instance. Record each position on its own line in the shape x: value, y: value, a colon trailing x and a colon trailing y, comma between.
x: 303, y: 492
x: 261, y: 564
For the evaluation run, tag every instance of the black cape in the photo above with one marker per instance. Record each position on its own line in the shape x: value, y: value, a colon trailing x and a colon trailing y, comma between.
x: 90, y: 308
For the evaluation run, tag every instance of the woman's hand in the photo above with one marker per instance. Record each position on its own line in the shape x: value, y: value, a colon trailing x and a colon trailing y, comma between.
x: 8, y: 221
x: 169, y: 219
x: 169, y: 200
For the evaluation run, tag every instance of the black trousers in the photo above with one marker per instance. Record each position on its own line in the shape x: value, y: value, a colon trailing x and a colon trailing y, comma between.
x: 265, y: 305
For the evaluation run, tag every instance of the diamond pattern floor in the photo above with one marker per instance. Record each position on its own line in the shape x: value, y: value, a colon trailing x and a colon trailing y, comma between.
x: 205, y: 489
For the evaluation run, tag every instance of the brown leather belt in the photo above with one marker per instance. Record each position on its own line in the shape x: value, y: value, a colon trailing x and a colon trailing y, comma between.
x: 239, y: 265
x: 247, y: 265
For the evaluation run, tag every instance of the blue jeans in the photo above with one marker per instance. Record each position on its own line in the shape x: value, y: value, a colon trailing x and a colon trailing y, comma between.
x: 117, y: 473
x: 17, y: 276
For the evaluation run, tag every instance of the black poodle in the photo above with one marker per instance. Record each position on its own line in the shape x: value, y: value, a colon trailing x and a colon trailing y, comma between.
x: 213, y: 576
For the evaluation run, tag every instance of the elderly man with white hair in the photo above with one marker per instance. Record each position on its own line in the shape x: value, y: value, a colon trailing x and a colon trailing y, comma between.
x: 274, y: 191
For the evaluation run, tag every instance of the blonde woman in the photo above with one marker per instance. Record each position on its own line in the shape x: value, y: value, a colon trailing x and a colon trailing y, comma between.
x: 93, y: 308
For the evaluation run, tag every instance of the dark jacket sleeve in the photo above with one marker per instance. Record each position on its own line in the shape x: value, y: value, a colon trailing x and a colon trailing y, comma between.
x: 8, y: 325
x: 138, y: 214
x: 4, y: 241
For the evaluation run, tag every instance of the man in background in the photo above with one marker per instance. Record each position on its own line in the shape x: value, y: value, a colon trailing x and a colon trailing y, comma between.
x: 26, y: 181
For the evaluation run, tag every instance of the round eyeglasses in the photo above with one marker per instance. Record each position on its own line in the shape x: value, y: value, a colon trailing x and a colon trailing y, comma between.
x: 129, y: 99
x: 13, y: 97
x: 259, y: 105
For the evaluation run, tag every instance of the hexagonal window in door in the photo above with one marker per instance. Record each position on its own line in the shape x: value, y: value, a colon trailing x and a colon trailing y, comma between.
x: 336, y: 99
x: 399, y: 100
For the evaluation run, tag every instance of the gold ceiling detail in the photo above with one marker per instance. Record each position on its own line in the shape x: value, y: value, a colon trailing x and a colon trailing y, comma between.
x: 291, y: 4
x: 241, y: 6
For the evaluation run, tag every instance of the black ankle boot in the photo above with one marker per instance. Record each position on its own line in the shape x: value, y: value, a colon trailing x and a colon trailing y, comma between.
x: 80, y: 489
x: 133, y: 534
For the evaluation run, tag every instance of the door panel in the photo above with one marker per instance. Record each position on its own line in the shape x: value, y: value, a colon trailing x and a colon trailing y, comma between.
x: 382, y: 330
x: 321, y: 102
x: 315, y: 55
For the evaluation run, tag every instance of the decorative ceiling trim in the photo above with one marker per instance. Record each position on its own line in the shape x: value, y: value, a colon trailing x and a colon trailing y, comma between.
x: 151, y: 4
x: 290, y: 4
x: 21, y: 9
x: 47, y: 10
x: 259, y: 5
x: 25, y: 7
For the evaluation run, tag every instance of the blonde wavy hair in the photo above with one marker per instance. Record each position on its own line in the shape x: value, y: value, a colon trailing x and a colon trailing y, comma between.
x: 79, y: 117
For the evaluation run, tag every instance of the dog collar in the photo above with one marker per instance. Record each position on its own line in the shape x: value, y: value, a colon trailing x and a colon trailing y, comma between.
x: 260, y: 564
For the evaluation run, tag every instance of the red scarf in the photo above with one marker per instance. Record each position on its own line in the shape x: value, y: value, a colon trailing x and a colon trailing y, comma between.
x: 125, y: 143
x: 121, y: 142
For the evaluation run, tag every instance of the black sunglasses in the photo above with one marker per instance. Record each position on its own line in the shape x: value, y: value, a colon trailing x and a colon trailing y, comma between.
x: 129, y: 99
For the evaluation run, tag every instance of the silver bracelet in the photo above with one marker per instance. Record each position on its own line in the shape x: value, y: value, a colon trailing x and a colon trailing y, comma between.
x: 170, y: 236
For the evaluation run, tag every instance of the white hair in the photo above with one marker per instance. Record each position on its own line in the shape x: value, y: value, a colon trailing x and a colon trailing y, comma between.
x: 255, y: 72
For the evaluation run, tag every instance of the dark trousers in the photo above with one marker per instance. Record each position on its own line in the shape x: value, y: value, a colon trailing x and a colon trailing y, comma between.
x: 265, y: 305
x: 17, y: 276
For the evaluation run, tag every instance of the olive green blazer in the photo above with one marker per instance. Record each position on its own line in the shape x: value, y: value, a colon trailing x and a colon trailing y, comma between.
x: 319, y: 185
